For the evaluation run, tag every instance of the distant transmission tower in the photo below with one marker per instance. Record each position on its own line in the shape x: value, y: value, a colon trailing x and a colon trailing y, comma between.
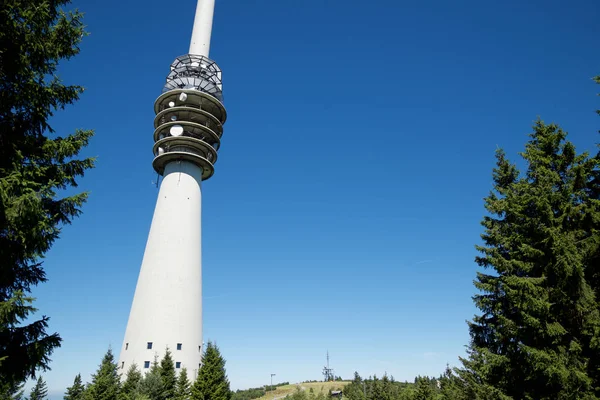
x: 328, y: 372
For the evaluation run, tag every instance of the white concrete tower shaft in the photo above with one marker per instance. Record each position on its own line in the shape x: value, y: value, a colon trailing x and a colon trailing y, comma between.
x: 167, y: 305
x: 202, y: 31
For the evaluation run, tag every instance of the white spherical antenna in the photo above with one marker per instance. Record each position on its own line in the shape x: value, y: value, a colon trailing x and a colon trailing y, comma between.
x: 176, y: 130
x: 182, y: 97
x: 171, y: 104
x: 161, y: 151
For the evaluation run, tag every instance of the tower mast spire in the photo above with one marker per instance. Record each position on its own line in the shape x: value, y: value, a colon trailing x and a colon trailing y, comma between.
x: 201, y: 33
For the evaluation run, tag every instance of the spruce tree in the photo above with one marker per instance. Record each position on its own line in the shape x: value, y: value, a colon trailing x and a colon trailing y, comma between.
x: 168, y: 375
x: 539, y: 324
x: 39, y: 391
x: 355, y: 390
x: 17, y: 393
x: 152, y: 385
x: 376, y: 389
x: 36, y: 165
x: 106, y: 381
x: 212, y: 382
x: 76, y: 391
x: 130, y: 387
x: 182, y: 388
x: 592, y: 273
x: 390, y: 391
x: 451, y: 387
x: 424, y: 390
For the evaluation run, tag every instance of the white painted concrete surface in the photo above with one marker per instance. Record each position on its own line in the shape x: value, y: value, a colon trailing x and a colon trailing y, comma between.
x: 167, y: 305
x: 200, y: 44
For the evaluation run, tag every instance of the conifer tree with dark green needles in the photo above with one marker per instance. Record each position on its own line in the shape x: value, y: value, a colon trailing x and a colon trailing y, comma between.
x: 106, y: 382
x: 17, y: 393
x: 451, y: 386
x: 376, y: 391
x: 76, y: 391
x: 130, y: 387
x: 388, y: 389
x: 152, y: 385
x: 212, y: 382
x: 539, y: 327
x: 592, y: 273
x: 168, y: 375
x: 182, y: 388
x: 39, y: 391
x: 424, y: 391
x: 37, y: 164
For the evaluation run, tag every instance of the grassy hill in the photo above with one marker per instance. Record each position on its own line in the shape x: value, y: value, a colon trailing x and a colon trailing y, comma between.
x: 281, y: 391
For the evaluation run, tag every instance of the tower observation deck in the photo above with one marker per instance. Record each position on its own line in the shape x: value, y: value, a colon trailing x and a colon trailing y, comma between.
x: 166, y: 311
x: 190, y: 115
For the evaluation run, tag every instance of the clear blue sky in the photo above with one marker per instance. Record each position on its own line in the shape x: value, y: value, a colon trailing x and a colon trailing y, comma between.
x: 347, y: 198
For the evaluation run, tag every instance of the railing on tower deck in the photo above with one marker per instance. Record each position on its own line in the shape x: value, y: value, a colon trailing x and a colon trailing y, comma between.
x: 184, y: 149
x: 188, y: 113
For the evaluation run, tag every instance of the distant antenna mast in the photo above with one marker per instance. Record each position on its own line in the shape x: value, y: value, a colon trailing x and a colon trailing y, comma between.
x: 328, y: 372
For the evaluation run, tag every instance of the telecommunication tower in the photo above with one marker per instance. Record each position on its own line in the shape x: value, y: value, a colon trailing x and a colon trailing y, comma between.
x: 167, y: 305
x: 328, y: 372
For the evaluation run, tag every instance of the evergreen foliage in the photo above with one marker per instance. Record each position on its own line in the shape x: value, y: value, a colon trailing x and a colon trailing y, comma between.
x: 302, y: 395
x: 270, y: 388
x: 355, y: 390
x: 538, y: 335
x: 106, y: 381
x: 152, y: 385
x: 424, y: 389
x: 16, y: 393
x: 255, y: 393
x: 35, y: 164
x: 212, y: 382
x: 182, y: 387
x: 592, y: 258
x: 168, y: 375
x: 376, y: 389
x: 76, y: 391
x: 385, y: 388
x: 248, y: 394
x: 39, y: 391
x: 452, y: 387
x: 130, y: 388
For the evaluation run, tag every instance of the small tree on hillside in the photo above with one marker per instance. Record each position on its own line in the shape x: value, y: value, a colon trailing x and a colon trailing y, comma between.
x: 212, y: 382
x: 182, y: 388
x: 39, y: 391
x: 355, y: 390
x: 168, y: 375
x: 105, y: 382
x: 76, y: 391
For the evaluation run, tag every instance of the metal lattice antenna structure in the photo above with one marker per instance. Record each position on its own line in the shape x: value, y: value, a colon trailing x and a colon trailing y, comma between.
x: 167, y: 306
x: 328, y: 372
